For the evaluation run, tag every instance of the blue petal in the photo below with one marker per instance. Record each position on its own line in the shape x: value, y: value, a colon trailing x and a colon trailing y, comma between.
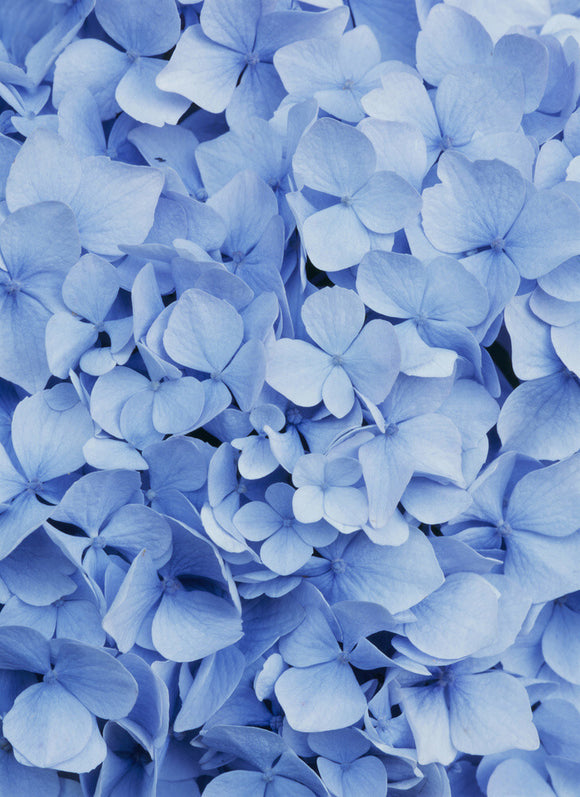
x: 216, y: 679
x: 458, y: 619
x: 427, y: 714
x: 95, y: 678
x: 147, y: 28
x: 93, y: 65
x: 475, y: 204
x: 79, y: 123
x: 47, y: 725
x: 48, y: 442
x: 203, y: 332
x: 451, y: 39
x: 23, y: 649
x: 514, y: 777
x: 499, y: 712
x: 546, y: 500
x: 323, y: 697
x: 191, y: 625
x: 553, y: 402
x: 204, y: 72
x: 334, y: 158
x: 139, y: 96
x: 395, y: 25
x: 115, y: 204
x: 139, y: 592
x: 134, y: 527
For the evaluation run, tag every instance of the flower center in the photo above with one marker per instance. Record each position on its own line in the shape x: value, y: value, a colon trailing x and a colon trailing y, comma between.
x: 171, y: 586
x: 50, y: 677
x: 338, y: 565
x: 12, y: 287
x: 294, y: 416
x: 498, y: 244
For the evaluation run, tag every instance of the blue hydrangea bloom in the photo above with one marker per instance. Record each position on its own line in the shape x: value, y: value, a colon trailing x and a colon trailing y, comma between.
x: 289, y: 398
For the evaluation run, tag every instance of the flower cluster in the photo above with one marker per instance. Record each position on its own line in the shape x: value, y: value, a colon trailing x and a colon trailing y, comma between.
x: 289, y: 398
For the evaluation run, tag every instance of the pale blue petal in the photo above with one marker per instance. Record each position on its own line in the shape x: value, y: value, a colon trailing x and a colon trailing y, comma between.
x: 545, y: 567
x: 48, y: 442
x: 246, y: 373
x: 28, y: 780
x: 203, y: 332
x: 395, y: 25
x: 23, y: 649
x: 560, y: 643
x: 177, y: 405
x: 257, y: 520
x: 204, y: 72
x: 138, y: 95
x: 62, y: 726
x: 191, y: 625
x: 93, y: 65
x: 145, y: 27
x: 37, y: 572
x: 514, y: 777
x: 458, y: 619
x: 372, y: 361
x: 134, y: 527
x: 298, y: 370
x: 490, y: 713
x: 400, y: 148
x: 403, y: 98
x: 285, y: 552
x: 40, y: 262
x: 115, y: 204
x: 323, y: 697
x: 238, y: 783
x: 427, y: 714
x: 533, y: 354
x: 334, y: 158
x: 91, y: 287
x: 394, y: 577
x: 475, y: 204
x: 95, y: 678
x: 79, y: 123
x: 499, y: 105
x: 530, y: 56
x: 386, y: 203
x: 552, y: 404
x: 57, y: 180
x: 333, y: 317
x: 335, y: 238
x: 110, y: 394
x: 139, y: 592
x: 232, y: 23
x: 546, y: 501
x: 23, y: 322
x: 451, y: 39
x: 545, y: 233
x: 216, y: 679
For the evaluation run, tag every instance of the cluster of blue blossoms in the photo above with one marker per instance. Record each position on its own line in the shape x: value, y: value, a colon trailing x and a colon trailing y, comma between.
x: 289, y: 398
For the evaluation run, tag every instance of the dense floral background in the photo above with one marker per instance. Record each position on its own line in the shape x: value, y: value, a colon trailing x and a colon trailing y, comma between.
x: 289, y: 398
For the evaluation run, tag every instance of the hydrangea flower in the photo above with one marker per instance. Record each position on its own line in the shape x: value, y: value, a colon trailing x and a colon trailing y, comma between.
x: 289, y: 398
x: 351, y: 206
